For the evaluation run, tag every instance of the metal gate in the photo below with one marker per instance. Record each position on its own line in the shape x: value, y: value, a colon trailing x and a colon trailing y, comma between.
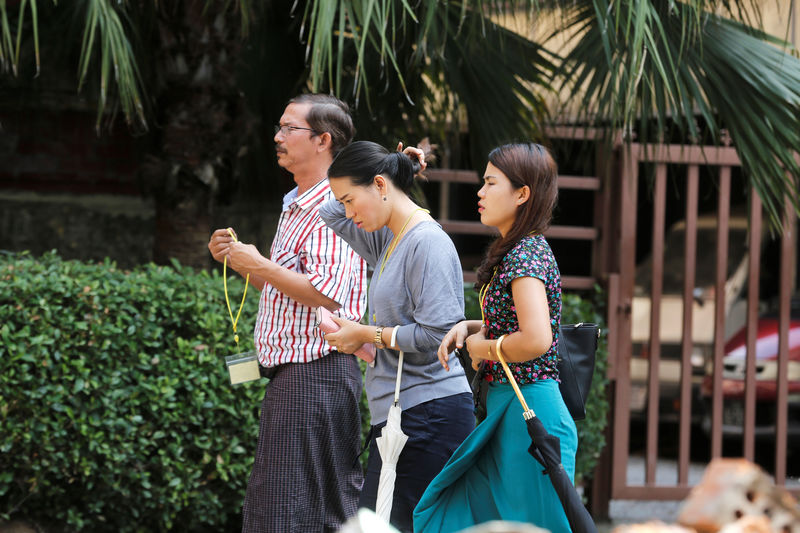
x: 683, y: 169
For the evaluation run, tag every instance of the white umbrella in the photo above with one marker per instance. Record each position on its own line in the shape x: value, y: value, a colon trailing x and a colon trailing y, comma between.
x: 390, y: 444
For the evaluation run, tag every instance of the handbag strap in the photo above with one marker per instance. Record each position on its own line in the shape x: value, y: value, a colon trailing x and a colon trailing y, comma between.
x: 528, y: 414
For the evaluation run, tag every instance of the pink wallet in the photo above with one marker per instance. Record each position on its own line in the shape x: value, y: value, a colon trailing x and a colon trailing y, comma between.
x: 327, y: 325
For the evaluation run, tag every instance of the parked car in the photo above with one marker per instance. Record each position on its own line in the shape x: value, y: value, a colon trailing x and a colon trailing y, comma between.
x: 733, y: 378
x: 671, y: 313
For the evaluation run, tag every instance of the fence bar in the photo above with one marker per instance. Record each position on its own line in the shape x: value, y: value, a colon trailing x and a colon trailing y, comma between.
x: 627, y: 258
x: 444, y: 200
x: 754, y: 259
x: 447, y: 175
x: 583, y: 233
x: 687, y: 344
x: 690, y: 155
x: 606, y: 211
x: 723, y: 217
x: 653, y: 395
x: 578, y: 282
x: 613, y: 329
x: 586, y: 183
x: 664, y: 492
x: 784, y: 311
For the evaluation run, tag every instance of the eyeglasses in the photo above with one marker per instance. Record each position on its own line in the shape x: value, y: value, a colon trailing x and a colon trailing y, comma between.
x: 286, y: 129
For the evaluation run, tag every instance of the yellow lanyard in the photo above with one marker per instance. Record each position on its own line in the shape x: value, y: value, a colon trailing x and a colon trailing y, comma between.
x: 482, y: 295
x: 396, y: 240
x: 227, y: 300
x: 393, y: 245
x: 485, y: 288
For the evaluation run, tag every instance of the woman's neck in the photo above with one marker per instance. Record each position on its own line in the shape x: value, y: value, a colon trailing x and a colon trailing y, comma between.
x: 403, y: 211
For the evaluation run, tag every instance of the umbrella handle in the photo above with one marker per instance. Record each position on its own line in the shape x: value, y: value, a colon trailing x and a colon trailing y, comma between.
x: 399, y: 375
x: 507, y: 370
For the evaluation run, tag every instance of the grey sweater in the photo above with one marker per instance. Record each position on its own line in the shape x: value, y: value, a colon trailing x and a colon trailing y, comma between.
x: 421, y: 291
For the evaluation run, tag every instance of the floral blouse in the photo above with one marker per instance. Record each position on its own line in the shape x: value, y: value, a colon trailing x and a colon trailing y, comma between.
x: 531, y: 257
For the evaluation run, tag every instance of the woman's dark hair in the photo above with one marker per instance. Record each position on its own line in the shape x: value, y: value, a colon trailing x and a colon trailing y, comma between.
x: 523, y: 164
x: 361, y: 161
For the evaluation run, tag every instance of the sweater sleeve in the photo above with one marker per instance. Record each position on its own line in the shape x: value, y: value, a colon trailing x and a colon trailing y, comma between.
x: 366, y: 244
x: 435, y: 284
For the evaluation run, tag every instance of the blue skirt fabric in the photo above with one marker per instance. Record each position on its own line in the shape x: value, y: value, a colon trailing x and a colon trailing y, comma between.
x: 491, y: 476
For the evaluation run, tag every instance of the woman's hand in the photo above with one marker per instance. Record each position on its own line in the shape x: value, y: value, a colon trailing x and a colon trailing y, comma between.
x: 349, y: 337
x: 454, y: 339
x: 474, y: 347
x: 413, y: 151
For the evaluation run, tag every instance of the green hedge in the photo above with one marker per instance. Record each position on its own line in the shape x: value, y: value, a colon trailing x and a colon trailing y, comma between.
x: 115, y: 409
x: 590, y: 430
x: 116, y: 413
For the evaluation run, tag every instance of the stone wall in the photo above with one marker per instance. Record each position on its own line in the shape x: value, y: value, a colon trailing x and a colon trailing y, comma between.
x: 121, y: 227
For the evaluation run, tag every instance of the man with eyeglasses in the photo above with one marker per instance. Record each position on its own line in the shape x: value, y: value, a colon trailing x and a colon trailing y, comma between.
x: 306, y: 476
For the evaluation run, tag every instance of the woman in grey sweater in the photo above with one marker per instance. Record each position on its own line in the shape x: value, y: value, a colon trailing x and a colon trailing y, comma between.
x: 415, y: 297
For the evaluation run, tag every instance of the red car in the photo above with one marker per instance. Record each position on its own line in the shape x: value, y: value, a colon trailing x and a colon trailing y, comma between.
x: 733, y: 378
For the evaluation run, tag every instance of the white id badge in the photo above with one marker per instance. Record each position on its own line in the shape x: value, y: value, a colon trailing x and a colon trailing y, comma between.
x: 243, y: 367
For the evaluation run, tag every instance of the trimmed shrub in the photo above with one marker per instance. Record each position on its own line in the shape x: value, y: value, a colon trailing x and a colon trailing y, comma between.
x: 116, y: 412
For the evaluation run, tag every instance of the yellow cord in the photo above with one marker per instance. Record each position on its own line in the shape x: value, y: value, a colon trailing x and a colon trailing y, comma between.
x: 482, y: 295
x: 393, y: 245
x: 227, y: 300
x: 396, y: 240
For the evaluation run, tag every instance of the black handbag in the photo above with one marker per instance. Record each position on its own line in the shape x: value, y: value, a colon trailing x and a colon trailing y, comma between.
x: 577, y: 344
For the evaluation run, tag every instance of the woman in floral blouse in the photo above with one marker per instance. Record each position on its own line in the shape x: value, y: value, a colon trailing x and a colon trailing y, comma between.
x: 491, y: 476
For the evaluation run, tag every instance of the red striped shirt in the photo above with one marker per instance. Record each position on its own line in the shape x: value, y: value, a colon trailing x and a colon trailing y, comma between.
x: 286, y: 330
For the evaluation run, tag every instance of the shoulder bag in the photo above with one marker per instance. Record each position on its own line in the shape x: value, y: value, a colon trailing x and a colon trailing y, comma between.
x: 577, y: 345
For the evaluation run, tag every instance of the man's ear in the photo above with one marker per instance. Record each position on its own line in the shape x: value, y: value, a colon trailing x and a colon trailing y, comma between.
x: 523, y: 194
x: 325, y: 141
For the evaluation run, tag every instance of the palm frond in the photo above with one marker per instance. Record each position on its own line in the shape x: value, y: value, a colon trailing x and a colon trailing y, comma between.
x: 10, y: 46
x: 499, y: 76
x: 427, y: 49
x: 651, y: 66
x: 104, y: 25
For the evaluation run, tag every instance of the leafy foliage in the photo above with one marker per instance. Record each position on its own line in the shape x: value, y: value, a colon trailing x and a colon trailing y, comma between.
x: 576, y: 308
x: 445, y: 68
x: 652, y: 66
x: 116, y: 413
x: 591, y: 430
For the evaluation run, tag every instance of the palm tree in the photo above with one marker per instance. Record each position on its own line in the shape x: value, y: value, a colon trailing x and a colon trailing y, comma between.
x: 172, y: 70
x: 446, y: 67
x: 645, y: 66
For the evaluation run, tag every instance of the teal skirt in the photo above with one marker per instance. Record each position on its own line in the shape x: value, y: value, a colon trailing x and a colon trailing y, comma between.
x: 491, y: 476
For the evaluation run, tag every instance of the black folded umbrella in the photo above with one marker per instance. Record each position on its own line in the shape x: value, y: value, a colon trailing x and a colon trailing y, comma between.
x: 546, y: 449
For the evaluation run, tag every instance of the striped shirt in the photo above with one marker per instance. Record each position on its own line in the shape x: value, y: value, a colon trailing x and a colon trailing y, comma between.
x: 285, y: 330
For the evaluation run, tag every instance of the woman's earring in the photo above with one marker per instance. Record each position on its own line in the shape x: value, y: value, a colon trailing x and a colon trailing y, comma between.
x: 384, y: 198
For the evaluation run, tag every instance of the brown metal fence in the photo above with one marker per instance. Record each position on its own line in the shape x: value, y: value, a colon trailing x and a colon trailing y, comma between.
x: 688, y: 161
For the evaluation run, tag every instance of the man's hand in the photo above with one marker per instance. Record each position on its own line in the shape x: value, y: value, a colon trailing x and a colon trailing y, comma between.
x: 219, y: 244
x: 245, y: 257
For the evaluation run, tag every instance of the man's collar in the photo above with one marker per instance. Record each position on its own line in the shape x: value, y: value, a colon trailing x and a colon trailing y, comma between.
x: 309, y: 198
